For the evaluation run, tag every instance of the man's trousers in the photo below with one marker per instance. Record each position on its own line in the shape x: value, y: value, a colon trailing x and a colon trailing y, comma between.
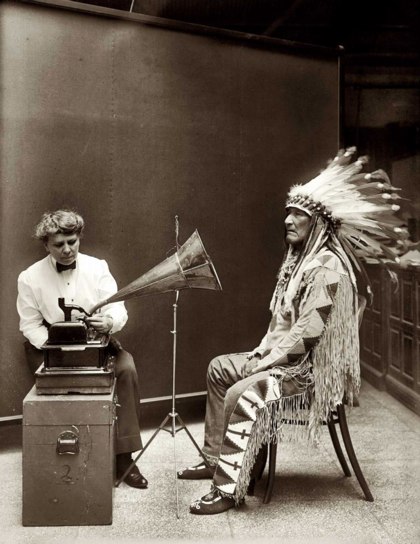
x: 233, y: 403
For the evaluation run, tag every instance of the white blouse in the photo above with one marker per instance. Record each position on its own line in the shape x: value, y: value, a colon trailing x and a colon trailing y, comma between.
x: 40, y: 286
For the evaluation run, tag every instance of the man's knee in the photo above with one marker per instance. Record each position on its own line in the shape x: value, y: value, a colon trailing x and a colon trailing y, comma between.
x: 214, y: 363
x: 214, y: 370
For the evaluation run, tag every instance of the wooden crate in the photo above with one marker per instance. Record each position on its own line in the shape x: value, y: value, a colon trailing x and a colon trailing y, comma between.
x: 73, y: 488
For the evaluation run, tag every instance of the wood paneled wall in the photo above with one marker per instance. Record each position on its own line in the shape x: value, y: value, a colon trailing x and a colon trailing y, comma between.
x: 390, y: 333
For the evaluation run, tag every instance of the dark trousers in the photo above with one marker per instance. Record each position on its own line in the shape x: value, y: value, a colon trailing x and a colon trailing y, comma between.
x: 128, y: 408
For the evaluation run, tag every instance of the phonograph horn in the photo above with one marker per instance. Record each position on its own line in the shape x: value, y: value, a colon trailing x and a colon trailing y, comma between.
x: 189, y: 268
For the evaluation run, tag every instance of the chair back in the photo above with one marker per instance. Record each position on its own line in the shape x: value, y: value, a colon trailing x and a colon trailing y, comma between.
x: 361, y: 310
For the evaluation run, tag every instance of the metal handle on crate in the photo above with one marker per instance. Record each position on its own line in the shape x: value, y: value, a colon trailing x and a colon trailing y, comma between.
x: 67, y: 443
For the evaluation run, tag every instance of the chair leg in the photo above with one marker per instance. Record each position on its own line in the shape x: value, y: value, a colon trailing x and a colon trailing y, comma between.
x: 271, y: 472
x: 337, y: 447
x: 350, y: 452
x: 258, y: 469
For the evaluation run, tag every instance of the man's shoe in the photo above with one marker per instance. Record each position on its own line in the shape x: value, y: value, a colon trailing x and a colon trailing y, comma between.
x: 212, y: 503
x: 134, y: 478
x: 197, y: 472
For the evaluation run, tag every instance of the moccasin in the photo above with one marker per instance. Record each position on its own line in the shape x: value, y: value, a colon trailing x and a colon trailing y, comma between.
x: 197, y: 472
x: 212, y: 503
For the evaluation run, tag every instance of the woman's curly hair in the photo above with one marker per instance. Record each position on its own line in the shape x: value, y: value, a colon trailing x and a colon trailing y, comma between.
x: 59, y: 222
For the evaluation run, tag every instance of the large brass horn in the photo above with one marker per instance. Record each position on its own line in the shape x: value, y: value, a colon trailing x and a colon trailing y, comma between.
x: 189, y: 268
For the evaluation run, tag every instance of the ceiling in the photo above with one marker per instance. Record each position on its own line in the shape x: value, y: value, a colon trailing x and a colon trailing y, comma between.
x: 378, y: 31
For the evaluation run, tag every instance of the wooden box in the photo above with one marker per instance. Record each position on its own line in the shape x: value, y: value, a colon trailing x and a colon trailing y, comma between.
x: 68, y: 459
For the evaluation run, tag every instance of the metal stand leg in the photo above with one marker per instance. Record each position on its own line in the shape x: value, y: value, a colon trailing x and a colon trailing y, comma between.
x: 173, y: 416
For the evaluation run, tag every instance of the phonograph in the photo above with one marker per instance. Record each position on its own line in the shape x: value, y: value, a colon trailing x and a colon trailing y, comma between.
x: 76, y: 358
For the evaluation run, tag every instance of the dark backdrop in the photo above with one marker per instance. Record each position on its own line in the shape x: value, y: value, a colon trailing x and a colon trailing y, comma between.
x: 131, y: 123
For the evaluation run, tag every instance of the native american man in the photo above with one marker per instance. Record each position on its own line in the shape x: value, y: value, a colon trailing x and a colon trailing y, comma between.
x: 308, y: 361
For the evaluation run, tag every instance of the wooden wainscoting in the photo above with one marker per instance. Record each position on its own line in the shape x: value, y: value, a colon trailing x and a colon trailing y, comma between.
x: 390, y: 333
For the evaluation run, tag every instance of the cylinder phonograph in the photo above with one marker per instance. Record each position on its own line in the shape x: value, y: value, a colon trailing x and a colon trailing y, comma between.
x: 77, y: 359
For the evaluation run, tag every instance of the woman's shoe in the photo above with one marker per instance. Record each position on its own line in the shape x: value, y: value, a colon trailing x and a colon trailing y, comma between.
x: 134, y: 478
x: 212, y: 503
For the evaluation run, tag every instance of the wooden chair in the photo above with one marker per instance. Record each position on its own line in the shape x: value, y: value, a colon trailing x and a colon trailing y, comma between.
x: 337, y: 416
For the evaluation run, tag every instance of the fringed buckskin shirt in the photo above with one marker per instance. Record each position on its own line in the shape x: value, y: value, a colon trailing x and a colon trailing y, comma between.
x: 315, y: 342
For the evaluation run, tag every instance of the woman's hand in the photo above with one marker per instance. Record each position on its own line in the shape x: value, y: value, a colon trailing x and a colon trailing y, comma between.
x: 101, y: 323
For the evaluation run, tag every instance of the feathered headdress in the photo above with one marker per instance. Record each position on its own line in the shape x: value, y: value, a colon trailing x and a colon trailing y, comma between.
x: 359, y: 208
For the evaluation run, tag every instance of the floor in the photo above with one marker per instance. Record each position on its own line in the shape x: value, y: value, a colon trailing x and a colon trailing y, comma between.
x: 312, y: 500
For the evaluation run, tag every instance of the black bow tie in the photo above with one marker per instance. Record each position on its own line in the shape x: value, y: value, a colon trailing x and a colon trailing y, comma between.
x: 61, y: 267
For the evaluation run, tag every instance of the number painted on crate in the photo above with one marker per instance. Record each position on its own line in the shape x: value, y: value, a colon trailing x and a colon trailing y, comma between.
x: 66, y: 478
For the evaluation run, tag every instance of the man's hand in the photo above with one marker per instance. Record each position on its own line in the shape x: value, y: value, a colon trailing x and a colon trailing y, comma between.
x: 251, y: 366
x: 101, y: 323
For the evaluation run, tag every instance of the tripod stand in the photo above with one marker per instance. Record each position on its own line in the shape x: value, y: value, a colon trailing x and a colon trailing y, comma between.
x: 172, y: 416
